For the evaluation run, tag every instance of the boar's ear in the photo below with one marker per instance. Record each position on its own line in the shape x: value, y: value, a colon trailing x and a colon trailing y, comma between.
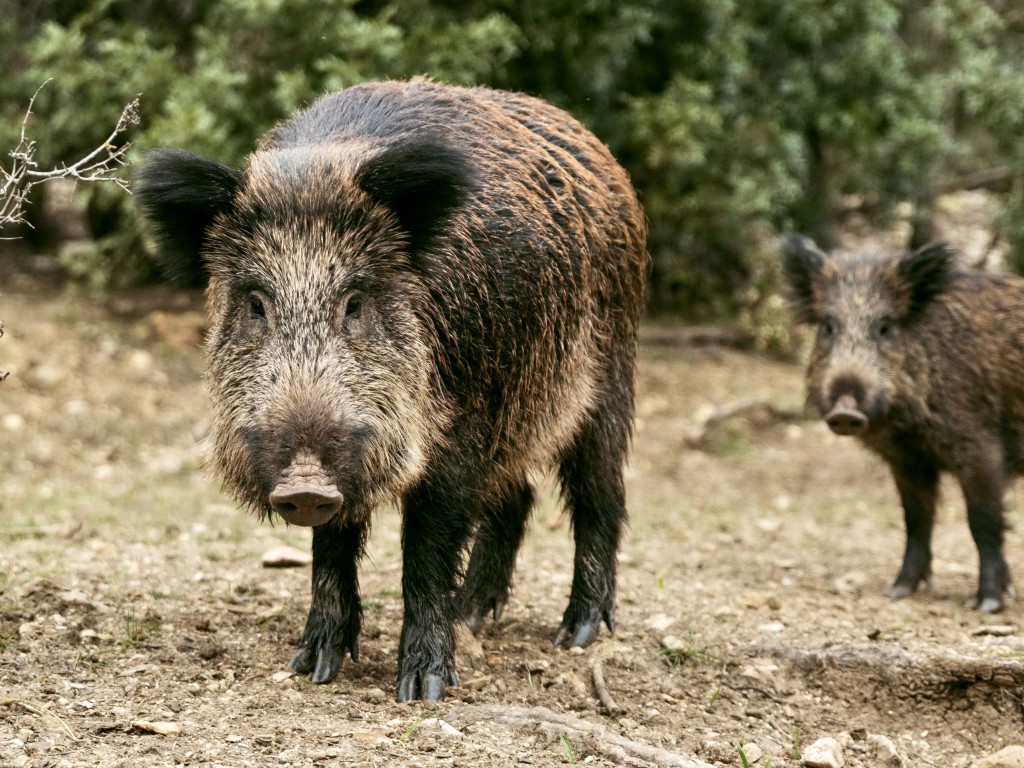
x: 802, y: 262
x: 422, y: 181
x: 923, y: 275
x: 180, y: 194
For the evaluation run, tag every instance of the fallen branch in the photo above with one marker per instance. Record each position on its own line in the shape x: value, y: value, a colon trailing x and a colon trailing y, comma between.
x: 696, y: 336
x: 610, y: 705
x: 892, y: 665
x: 598, y: 737
x: 763, y: 412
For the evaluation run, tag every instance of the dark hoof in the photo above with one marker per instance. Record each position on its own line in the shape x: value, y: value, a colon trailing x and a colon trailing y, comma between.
x: 429, y: 687
x: 582, y: 633
x: 323, y: 662
x: 474, y: 619
x: 985, y: 604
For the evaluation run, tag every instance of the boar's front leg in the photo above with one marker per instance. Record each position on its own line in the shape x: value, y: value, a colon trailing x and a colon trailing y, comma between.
x: 983, y: 491
x: 335, y: 613
x: 435, y: 527
x: 918, y: 485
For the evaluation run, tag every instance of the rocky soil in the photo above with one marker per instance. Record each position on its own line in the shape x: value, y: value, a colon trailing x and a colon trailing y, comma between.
x: 140, y: 626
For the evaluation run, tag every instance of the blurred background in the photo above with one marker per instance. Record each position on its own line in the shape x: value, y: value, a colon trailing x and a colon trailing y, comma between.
x: 737, y: 119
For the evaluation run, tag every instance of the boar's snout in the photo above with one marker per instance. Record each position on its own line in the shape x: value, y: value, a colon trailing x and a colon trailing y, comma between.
x: 846, y: 418
x: 305, y: 495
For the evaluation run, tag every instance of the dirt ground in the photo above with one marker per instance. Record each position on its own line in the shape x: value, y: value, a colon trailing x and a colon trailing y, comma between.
x: 751, y: 607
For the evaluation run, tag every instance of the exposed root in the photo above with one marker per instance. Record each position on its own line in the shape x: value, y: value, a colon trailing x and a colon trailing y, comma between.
x: 891, y: 664
x: 598, y: 737
x: 610, y: 705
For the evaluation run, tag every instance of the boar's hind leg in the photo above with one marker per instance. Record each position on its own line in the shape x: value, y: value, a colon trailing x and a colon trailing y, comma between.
x: 918, y: 485
x: 489, y: 573
x: 591, y: 475
x: 435, y: 526
x: 983, y: 493
x: 335, y: 614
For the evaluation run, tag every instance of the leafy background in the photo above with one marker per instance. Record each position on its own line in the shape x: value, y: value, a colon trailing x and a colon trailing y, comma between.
x: 737, y: 119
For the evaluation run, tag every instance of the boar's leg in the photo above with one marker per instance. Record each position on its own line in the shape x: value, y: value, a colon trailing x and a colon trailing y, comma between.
x: 591, y: 475
x: 435, y: 527
x: 918, y: 485
x: 983, y: 492
x: 489, y: 573
x: 335, y: 614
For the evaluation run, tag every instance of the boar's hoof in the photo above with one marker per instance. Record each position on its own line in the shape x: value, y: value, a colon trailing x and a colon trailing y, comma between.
x: 846, y: 418
x: 474, y: 617
x: 985, y: 604
x: 583, y: 632
x: 323, y: 663
x: 426, y: 686
x: 899, y: 591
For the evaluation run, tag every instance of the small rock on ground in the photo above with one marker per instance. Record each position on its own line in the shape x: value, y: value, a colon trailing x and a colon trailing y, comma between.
x: 824, y: 753
x: 1008, y: 757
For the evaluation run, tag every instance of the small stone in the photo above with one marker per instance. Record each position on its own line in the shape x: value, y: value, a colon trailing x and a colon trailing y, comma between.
x: 883, y: 750
x: 1007, y: 757
x: 233, y: 739
x: 284, y: 674
x: 771, y: 626
x: 286, y: 557
x: 476, y: 683
x: 163, y: 728
x: 752, y: 752
x: 374, y: 736
x: 659, y: 622
x: 851, y: 583
x: 823, y: 753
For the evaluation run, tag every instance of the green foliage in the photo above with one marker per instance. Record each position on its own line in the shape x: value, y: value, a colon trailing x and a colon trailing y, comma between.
x: 735, y: 119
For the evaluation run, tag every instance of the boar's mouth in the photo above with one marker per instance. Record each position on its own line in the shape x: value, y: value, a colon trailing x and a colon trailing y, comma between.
x: 305, y: 495
x: 846, y: 418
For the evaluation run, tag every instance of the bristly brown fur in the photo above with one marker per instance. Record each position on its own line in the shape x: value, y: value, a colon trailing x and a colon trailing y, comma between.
x: 432, y: 293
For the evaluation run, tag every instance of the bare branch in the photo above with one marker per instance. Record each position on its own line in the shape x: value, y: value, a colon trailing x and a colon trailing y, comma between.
x: 101, y: 164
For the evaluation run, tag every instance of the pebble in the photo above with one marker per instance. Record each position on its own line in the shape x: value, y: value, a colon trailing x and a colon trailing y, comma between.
x: 284, y: 674
x: 752, y: 752
x: 883, y: 750
x: 286, y: 557
x: 1008, y: 757
x: 823, y: 753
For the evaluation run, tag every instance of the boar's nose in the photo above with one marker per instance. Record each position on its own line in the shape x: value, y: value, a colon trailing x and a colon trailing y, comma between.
x: 305, y: 504
x: 846, y: 418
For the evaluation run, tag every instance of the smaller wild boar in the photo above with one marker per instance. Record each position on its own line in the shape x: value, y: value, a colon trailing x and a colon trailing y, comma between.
x: 923, y: 362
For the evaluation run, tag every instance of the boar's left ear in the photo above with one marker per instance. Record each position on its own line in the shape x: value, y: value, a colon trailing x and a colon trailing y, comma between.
x: 924, y: 274
x: 422, y: 181
x: 802, y: 262
x: 180, y: 194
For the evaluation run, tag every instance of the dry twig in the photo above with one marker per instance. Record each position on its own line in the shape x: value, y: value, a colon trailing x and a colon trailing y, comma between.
x: 102, y: 164
x: 610, y: 705
x: 40, y: 710
x: 598, y: 737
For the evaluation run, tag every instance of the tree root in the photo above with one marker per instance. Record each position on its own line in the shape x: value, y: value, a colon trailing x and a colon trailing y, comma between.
x: 913, y: 672
x: 598, y: 737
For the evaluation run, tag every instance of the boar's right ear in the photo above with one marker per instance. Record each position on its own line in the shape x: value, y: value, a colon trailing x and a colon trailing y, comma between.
x: 925, y: 273
x: 802, y: 262
x: 422, y: 181
x: 180, y: 194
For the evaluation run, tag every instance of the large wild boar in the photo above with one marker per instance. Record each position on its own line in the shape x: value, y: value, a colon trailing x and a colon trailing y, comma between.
x: 422, y: 293
x: 924, y: 363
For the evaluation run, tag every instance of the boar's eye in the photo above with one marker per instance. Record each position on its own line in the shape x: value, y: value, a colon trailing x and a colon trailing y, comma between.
x: 355, y: 314
x: 884, y: 328
x: 354, y: 306
x: 829, y: 327
x: 257, y: 307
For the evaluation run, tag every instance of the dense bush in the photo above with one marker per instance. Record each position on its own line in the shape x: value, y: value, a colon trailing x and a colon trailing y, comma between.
x: 736, y: 118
